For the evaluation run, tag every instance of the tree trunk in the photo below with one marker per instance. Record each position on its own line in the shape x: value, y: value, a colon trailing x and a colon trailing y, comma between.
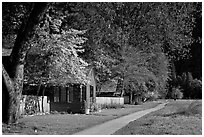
x: 14, y: 89
x: 13, y: 78
x: 131, y: 97
x: 38, y: 102
x: 120, y: 86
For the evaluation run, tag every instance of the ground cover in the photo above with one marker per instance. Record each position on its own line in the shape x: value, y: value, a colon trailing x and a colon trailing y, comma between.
x: 70, y: 123
x: 181, y: 117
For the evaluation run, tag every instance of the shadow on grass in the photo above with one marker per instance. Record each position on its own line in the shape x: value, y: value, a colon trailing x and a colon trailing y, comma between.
x: 148, y: 123
x: 176, y: 114
x: 194, y: 109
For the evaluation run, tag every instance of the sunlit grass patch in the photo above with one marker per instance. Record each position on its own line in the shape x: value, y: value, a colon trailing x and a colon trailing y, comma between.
x: 180, y: 117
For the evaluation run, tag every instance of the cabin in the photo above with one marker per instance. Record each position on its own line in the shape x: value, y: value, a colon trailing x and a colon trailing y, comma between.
x: 108, y: 89
x: 73, y: 97
x: 108, y: 96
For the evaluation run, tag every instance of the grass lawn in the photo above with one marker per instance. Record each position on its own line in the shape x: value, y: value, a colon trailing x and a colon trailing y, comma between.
x: 181, y: 117
x: 69, y: 123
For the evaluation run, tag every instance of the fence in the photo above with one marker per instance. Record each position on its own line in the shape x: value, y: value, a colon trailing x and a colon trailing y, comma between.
x: 110, y: 100
x: 45, y: 105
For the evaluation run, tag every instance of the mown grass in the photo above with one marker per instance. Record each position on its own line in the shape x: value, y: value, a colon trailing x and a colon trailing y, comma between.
x: 66, y: 124
x: 181, y: 117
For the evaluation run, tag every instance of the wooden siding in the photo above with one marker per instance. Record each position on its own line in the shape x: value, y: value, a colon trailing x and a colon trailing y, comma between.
x: 75, y: 107
x: 110, y: 100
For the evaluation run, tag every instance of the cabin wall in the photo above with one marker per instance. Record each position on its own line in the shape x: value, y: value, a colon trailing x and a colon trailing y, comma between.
x: 91, y: 84
x: 76, y: 107
x: 68, y: 99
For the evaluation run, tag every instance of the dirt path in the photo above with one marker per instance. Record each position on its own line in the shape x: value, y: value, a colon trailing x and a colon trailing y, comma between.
x: 112, y: 126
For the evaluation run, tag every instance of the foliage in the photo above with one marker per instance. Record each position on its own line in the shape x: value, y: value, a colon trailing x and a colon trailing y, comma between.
x: 13, y: 16
x: 161, y: 29
x: 53, y: 44
x: 176, y: 93
x: 95, y: 107
x: 57, y: 60
x: 151, y: 96
x: 31, y: 105
x: 192, y: 88
x: 196, y: 89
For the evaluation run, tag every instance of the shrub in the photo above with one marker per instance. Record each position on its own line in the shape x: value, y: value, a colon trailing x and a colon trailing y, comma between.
x: 151, y: 96
x: 176, y: 93
x: 31, y: 105
x: 95, y: 107
x: 196, y: 89
x: 192, y: 88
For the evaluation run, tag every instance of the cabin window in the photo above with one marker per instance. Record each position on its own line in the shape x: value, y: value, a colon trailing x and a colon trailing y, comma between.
x: 91, y: 91
x: 56, y: 94
x: 63, y: 94
x: 69, y: 94
x: 83, y: 93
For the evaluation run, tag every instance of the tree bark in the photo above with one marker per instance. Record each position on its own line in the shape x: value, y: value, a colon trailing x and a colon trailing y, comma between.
x: 13, y: 79
x: 120, y: 86
x: 131, y: 97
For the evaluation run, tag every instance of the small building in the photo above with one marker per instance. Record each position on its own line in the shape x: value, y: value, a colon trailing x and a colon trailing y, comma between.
x: 108, y: 89
x: 74, y: 96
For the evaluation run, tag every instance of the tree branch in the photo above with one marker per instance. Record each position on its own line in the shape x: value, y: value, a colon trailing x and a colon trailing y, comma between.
x: 26, y: 33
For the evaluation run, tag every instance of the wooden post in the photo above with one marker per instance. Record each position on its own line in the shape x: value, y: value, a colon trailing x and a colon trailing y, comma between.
x: 94, y: 93
x: 87, y: 109
x: 43, y: 99
x: 81, y: 100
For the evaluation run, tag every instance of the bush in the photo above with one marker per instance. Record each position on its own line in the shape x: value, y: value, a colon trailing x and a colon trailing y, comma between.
x: 95, y: 107
x: 196, y: 89
x: 176, y: 93
x: 31, y: 105
x: 192, y: 88
x: 151, y: 96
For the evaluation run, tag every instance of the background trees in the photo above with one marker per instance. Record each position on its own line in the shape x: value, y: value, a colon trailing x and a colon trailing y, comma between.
x: 161, y: 30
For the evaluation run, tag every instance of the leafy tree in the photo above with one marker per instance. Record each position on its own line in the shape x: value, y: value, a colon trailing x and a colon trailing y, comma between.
x: 49, y: 51
x: 55, y: 59
x: 13, y: 78
x: 153, y: 28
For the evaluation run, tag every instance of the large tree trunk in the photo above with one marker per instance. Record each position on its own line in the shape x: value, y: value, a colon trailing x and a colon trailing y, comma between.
x: 13, y: 78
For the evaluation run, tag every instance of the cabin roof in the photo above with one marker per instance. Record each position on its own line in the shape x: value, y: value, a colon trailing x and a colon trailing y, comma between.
x: 109, y: 86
